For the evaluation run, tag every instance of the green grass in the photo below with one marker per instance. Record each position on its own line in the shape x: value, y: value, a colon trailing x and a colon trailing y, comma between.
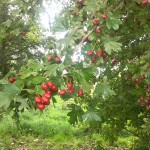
x: 51, y: 130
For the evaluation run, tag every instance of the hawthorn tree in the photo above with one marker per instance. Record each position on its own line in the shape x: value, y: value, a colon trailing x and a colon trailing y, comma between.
x: 20, y: 34
x: 102, y: 62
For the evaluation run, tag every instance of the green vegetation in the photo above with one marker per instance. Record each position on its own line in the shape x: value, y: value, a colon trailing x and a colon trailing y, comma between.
x: 51, y: 130
x: 100, y: 68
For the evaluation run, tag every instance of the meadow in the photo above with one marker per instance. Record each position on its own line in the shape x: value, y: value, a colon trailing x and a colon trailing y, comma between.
x: 50, y: 130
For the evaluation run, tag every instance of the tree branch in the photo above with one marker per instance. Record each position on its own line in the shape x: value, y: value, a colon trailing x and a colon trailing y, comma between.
x: 86, y: 36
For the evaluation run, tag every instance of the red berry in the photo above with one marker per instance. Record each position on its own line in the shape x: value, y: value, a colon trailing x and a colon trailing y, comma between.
x: 148, y: 90
x: 146, y: 101
x: 44, y: 86
x: 12, y: 79
x: 71, y: 90
x: 23, y: 33
x: 47, y: 103
x: 114, y: 61
x: 148, y: 98
x: 136, y: 80
x: 142, y: 98
x: 62, y: 92
x: 80, y: 4
x: 142, y: 101
x: 104, y: 16
x: 148, y: 108
x: 144, y: 2
x: 41, y: 106
x: 69, y: 85
x: 96, y: 22
x: 90, y: 53
x: 93, y: 59
x: 80, y: 92
x: 38, y: 99
x: 48, y: 95
x: 54, y: 88
x: 148, y: 19
x: 50, y: 84
x: 143, y: 77
x: 73, y: 13
x: 99, y: 53
x: 45, y: 100
x: 57, y: 60
x: 98, y: 30
x: 50, y: 58
x: 104, y: 54
x: 139, y: 101
x: 49, y: 92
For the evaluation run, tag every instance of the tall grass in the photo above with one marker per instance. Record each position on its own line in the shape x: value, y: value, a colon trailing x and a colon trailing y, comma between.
x: 51, y: 128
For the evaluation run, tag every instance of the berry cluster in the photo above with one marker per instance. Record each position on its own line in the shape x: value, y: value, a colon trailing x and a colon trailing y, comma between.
x: 54, y: 59
x: 95, y: 55
x: 139, y: 79
x: 70, y: 90
x: 145, y: 102
x: 44, y: 100
x: 96, y: 22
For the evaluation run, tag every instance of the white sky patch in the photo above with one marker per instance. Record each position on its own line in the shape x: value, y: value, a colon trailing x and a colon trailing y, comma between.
x: 51, y: 10
x: 47, y: 17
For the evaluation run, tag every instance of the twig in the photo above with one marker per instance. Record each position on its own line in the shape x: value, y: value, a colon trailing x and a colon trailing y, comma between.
x: 86, y: 36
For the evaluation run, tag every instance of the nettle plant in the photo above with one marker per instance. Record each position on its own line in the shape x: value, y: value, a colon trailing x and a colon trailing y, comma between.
x: 101, y: 63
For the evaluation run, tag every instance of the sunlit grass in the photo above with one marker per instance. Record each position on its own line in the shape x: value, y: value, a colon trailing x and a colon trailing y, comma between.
x: 51, y: 130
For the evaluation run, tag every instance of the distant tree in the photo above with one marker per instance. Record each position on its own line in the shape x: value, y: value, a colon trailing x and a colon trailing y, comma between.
x: 20, y: 33
x: 102, y: 63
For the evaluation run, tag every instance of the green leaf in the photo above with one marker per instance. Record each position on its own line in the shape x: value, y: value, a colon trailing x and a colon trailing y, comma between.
x: 104, y: 90
x: 89, y: 72
x: 69, y: 38
x: 5, y: 99
x: 27, y: 73
x: 91, y: 116
x: 54, y: 100
x: 90, y: 6
x: 75, y: 114
x: 15, y: 12
x: 36, y: 80
x: 146, y: 126
x: 34, y: 65
x: 52, y: 69
x: 7, y: 23
x: 7, y: 95
x: 92, y: 36
x: 111, y: 45
x: 113, y: 22
x: 132, y: 67
x: 38, y: 90
x: 29, y: 91
x: 82, y: 76
x: 61, y: 24
x: 23, y: 102
x: 3, y: 81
